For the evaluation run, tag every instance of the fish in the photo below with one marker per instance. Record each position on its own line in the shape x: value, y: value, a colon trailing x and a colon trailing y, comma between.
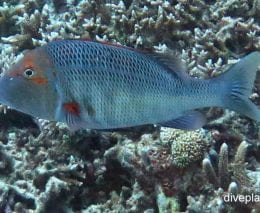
x: 95, y: 85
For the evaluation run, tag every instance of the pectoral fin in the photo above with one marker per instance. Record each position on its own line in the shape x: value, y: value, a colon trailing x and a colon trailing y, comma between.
x: 69, y: 113
x: 189, y: 121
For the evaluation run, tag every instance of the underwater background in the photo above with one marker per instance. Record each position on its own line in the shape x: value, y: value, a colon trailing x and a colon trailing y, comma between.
x: 46, y: 168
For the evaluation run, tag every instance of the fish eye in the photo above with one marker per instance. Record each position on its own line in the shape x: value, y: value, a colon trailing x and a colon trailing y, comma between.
x: 28, y: 73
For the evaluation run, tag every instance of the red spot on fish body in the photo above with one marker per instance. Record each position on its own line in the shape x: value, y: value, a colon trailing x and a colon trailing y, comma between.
x: 72, y: 107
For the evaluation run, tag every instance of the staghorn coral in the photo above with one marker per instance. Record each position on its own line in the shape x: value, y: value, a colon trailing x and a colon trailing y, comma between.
x: 209, y: 170
x: 202, y: 203
x: 6, y: 163
x: 243, y: 182
x: 223, y: 166
x: 222, y: 180
x: 166, y: 204
x: 7, y: 13
x: 239, y: 169
x: 130, y: 172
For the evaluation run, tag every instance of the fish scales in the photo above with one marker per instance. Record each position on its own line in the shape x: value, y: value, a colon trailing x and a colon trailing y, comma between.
x: 130, y: 85
x: 99, y: 86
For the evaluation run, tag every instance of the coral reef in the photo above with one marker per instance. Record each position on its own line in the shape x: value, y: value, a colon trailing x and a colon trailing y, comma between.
x: 243, y: 182
x: 46, y: 168
x: 187, y: 147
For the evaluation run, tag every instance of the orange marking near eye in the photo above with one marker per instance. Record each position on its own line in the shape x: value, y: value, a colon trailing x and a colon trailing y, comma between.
x: 36, y: 60
x: 28, y: 62
x: 39, y: 80
x: 72, y: 107
x: 23, y: 64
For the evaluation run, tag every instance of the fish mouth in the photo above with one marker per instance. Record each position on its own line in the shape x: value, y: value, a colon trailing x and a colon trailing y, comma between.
x: 16, y: 93
x: 9, y: 91
x: 3, y: 90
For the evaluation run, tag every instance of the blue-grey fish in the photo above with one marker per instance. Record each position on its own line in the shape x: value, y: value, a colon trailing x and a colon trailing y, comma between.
x: 99, y: 86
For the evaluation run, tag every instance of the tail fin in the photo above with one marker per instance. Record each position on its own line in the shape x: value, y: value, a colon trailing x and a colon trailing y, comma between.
x: 239, y: 81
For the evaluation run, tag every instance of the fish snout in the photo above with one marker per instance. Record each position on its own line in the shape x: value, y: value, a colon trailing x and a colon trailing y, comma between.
x: 6, y: 83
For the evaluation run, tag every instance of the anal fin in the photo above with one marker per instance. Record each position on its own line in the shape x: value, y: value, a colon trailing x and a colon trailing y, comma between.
x: 191, y: 120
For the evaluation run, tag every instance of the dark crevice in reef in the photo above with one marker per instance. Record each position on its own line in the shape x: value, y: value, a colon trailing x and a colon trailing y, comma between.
x: 13, y: 118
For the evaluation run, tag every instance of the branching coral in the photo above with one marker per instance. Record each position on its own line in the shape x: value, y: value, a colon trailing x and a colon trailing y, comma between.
x: 131, y: 172
x: 6, y: 162
x: 51, y: 169
x: 152, y: 164
x: 222, y: 179
x: 241, y: 183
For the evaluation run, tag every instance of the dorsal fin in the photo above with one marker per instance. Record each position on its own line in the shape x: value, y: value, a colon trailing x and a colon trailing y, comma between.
x: 142, y: 50
x: 115, y: 45
x: 107, y: 43
x: 99, y: 42
x: 171, y: 62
